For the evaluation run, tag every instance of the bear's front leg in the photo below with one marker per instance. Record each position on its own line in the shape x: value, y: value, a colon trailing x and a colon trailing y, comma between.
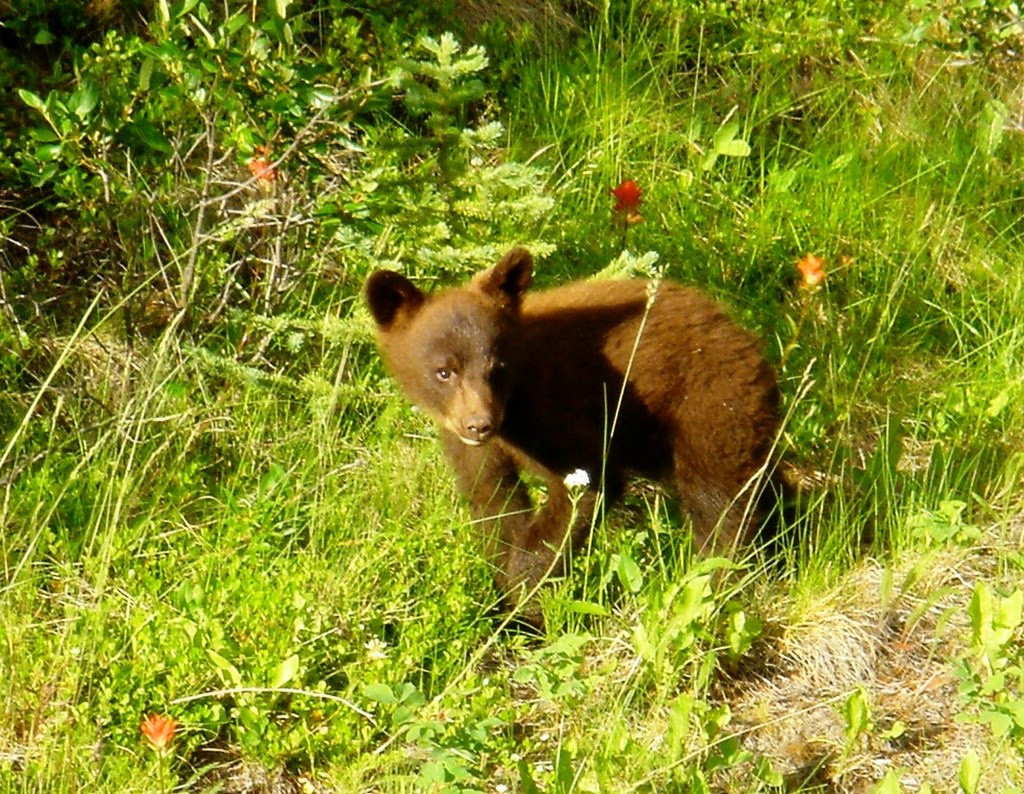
x: 542, y: 547
x: 524, y: 546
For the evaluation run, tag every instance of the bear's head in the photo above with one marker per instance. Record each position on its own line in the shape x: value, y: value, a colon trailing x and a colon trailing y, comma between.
x: 450, y: 351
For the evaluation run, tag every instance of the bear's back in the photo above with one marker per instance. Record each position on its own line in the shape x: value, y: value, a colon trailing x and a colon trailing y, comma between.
x: 693, y: 378
x: 678, y: 340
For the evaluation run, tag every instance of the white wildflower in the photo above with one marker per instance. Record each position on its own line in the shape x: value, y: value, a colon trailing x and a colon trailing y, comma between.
x: 577, y: 479
x: 376, y: 649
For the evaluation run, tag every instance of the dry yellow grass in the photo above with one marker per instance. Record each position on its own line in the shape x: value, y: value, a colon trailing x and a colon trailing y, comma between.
x: 892, y: 633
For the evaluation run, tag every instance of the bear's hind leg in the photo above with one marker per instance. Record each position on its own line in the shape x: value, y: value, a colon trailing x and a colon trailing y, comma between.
x: 725, y: 513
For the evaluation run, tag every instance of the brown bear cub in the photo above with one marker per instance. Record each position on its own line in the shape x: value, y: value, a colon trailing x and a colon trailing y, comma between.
x: 610, y: 377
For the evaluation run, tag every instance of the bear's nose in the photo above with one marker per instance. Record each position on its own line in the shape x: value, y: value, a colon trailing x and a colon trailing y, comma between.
x: 479, y: 427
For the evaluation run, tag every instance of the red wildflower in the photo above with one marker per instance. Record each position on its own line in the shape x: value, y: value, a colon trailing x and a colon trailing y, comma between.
x: 159, y: 730
x: 812, y: 271
x: 627, y: 196
x: 260, y: 165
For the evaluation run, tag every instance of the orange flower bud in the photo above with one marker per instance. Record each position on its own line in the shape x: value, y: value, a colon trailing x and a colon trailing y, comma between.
x: 261, y: 166
x: 812, y: 271
x: 159, y: 730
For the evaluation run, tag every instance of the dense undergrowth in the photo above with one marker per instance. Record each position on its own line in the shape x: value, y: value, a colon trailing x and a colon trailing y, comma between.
x: 215, y: 506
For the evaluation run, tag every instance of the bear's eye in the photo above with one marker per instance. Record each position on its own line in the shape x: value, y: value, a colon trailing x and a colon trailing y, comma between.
x: 443, y: 374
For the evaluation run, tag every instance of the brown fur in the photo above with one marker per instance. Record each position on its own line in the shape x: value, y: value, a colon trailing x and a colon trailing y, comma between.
x: 591, y: 376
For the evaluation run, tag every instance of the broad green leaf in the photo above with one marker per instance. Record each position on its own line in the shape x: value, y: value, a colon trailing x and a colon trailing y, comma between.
x: 229, y: 670
x: 526, y: 783
x: 643, y: 644
x: 381, y: 693
x: 992, y: 126
x: 34, y: 101
x: 734, y: 148
x: 710, y: 564
x: 766, y: 773
x: 86, y: 98
x: 727, y: 144
x: 410, y: 695
x: 979, y: 610
x: 320, y: 97
x: 890, y: 784
x: 951, y: 509
x: 856, y: 715
x: 48, y: 152
x: 743, y: 630
x: 1008, y: 614
x: 695, y: 600
x: 993, y: 619
x: 588, y: 608
x: 841, y: 162
x: 698, y: 782
x: 999, y: 721
x: 629, y: 573
x: 184, y: 7
x: 679, y: 724
x: 998, y: 404
x: 286, y: 671
x: 146, y: 73
x: 1015, y: 708
x: 970, y: 772
x: 45, y: 175
x: 236, y: 23
x: 44, y: 134
x: 146, y: 133
x: 781, y: 180
x: 564, y: 775
x: 726, y: 133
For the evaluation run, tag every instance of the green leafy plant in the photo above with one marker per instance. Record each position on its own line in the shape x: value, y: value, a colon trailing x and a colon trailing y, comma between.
x: 857, y: 720
x: 676, y: 621
x: 992, y: 676
x: 557, y: 670
x: 946, y: 524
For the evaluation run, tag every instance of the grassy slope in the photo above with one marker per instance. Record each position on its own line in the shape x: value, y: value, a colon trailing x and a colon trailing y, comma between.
x: 201, y: 532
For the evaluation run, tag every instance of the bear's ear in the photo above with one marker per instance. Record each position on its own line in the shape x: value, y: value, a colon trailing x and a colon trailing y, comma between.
x: 389, y: 294
x: 509, y: 279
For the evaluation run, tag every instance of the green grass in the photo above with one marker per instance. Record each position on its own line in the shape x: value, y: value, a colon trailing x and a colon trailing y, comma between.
x: 269, y: 547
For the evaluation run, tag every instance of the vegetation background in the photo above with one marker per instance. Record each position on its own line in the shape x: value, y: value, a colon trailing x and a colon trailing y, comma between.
x: 215, y: 506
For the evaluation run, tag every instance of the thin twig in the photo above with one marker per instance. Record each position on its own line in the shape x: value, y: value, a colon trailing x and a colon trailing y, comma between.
x: 188, y: 274
x: 299, y: 137
x: 268, y: 690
